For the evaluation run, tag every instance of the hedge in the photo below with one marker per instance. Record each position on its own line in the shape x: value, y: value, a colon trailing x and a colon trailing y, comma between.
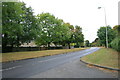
x: 115, y: 44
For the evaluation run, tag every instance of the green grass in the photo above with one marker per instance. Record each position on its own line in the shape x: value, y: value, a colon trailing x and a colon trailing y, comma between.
x: 104, y: 57
x: 34, y: 54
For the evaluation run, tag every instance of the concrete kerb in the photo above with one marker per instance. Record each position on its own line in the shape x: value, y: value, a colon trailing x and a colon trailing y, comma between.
x: 100, y: 66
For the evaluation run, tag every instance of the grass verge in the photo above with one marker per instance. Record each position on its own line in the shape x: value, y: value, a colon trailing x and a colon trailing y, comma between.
x: 103, y: 57
x: 12, y: 56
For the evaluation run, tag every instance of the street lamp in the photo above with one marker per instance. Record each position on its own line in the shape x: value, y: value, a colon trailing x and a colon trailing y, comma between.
x: 105, y: 25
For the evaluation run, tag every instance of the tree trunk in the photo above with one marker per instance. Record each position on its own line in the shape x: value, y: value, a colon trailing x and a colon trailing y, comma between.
x: 4, y: 41
x: 49, y: 45
x: 69, y: 45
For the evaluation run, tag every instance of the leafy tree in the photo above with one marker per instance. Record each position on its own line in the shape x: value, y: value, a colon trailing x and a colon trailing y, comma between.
x: 78, y: 36
x: 30, y: 25
x: 75, y: 35
x: 54, y: 30
x: 18, y: 24
x: 11, y: 27
x: 87, y: 43
x: 46, y: 20
x: 101, y: 33
x: 96, y: 42
x: 69, y: 35
x: 117, y: 29
x: 115, y: 44
x: 61, y: 33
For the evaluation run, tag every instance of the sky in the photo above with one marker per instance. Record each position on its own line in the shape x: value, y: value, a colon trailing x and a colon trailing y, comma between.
x: 84, y: 13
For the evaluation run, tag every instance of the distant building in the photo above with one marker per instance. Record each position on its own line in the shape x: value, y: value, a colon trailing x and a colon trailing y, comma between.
x: 31, y: 44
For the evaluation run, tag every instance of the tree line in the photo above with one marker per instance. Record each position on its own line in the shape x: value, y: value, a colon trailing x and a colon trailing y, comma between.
x: 20, y: 25
x: 113, y: 37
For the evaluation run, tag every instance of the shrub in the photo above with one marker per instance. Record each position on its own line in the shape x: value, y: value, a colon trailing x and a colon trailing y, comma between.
x: 115, y: 44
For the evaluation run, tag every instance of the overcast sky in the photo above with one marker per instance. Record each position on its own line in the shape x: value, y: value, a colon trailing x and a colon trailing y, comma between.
x: 84, y: 13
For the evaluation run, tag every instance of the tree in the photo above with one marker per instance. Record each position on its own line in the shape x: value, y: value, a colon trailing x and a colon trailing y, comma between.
x: 115, y: 44
x: 87, y: 43
x: 54, y: 30
x: 46, y: 20
x: 68, y: 36
x: 21, y: 26
x: 96, y: 42
x: 61, y: 33
x: 116, y: 28
x: 78, y: 36
x: 101, y: 33
x: 18, y: 24
x: 10, y: 19
x: 30, y: 25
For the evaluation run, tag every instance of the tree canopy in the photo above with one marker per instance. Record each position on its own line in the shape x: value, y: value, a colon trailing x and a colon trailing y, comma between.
x: 101, y: 33
x: 115, y: 44
x: 20, y: 25
x: 87, y: 43
x: 56, y: 31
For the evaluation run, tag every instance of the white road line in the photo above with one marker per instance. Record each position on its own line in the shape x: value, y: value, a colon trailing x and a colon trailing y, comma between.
x: 86, y: 52
x: 52, y: 59
x: 10, y: 68
x: 49, y: 59
x: 21, y: 66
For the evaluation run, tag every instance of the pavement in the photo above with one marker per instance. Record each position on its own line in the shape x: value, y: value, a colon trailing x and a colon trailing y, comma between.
x: 56, y: 66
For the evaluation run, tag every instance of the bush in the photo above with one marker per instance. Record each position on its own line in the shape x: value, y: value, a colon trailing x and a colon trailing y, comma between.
x: 115, y: 44
x: 76, y: 46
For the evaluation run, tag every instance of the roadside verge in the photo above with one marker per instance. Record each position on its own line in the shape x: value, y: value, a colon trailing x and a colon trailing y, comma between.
x: 103, y: 58
x: 16, y: 56
x: 100, y: 66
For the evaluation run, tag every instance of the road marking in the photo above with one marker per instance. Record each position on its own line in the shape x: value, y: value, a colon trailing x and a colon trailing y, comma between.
x: 54, y: 58
x: 85, y: 53
x: 10, y: 68
x: 49, y: 59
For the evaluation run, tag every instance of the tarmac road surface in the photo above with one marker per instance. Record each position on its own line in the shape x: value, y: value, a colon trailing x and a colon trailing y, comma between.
x: 56, y: 66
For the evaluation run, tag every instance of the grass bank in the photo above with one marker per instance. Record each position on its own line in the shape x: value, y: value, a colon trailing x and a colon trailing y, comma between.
x: 34, y: 54
x: 103, y: 57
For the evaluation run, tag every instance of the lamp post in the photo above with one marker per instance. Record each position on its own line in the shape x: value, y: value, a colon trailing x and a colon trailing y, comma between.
x: 106, y: 26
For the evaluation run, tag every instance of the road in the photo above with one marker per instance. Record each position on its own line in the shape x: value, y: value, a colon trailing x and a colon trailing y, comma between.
x: 57, y: 66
